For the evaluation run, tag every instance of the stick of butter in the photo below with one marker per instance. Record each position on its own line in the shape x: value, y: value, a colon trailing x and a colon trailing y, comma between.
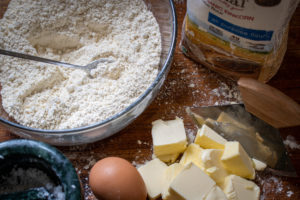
x: 237, y: 188
x: 169, y: 138
x: 191, y: 184
x: 207, y: 138
x: 192, y: 154
x: 211, y: 159
x: 236, y: 160
x: 152, y: 173
x: 170, y: 173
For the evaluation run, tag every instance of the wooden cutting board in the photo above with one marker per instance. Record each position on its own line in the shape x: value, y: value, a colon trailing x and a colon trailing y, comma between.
x: 190, y: 84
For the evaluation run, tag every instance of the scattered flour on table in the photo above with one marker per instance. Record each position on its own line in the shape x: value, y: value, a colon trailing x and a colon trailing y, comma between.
x: 289, y: 193
x: 271, y: 185
x: 91, y: 162
x: 49, y: 97
x: 291, y: 142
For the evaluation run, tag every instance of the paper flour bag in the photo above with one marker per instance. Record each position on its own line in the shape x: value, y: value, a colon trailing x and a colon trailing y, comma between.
x: 238, y: 37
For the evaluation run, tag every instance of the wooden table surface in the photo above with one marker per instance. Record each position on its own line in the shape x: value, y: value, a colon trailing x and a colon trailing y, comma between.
x: 190, y: 84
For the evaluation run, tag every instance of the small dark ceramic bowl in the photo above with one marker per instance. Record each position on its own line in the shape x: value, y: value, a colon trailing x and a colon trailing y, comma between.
x: 38, y: 166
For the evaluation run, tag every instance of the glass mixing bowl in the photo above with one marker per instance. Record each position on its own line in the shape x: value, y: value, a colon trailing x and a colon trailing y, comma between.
x: 164, y: 13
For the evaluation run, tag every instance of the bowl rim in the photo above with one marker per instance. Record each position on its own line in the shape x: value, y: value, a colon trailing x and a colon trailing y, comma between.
x: 41, y: 132
x: 55, y: 159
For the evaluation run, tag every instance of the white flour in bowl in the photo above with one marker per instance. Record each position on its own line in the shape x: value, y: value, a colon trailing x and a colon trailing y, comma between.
x: 50, y: 97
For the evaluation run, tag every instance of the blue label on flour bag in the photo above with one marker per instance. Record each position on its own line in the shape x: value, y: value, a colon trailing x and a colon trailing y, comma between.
x: 257, y: 35
x: 249, y: 24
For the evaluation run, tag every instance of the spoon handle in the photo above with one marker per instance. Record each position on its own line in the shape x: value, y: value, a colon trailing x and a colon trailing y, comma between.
x: 38, y: 59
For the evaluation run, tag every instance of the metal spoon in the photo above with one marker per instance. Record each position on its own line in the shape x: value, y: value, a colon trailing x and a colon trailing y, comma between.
x: 86, y: 68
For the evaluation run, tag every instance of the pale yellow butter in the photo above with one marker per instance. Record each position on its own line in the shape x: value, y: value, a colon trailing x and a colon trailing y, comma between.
x: 225, y: 118
x: 192, y: 154
x: 236, y: 160
x: 170, y: 173
x: 258, y: 165
x: 209, y: 139
x: 200, y: 120
x: 168, y: 158
x: 209, y: 122
x: 211, y: 159
x: 169, y: 138
x: 216, y: 194
x: 191, y: 184
x: 152, y: 173
x: 238, y: 188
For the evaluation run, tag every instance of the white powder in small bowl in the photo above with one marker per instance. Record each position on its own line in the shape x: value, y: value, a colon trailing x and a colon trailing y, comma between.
x: 19, y: 179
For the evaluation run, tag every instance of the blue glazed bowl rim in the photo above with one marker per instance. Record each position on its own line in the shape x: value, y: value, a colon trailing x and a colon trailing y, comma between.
x: 56, y: 161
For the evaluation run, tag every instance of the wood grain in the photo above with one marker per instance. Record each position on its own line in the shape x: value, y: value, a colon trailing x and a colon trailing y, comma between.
x: 269, y: 104
x: 190, y: 84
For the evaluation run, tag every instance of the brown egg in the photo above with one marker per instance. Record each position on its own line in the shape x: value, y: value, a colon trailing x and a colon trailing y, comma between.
x: 115, y: 178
